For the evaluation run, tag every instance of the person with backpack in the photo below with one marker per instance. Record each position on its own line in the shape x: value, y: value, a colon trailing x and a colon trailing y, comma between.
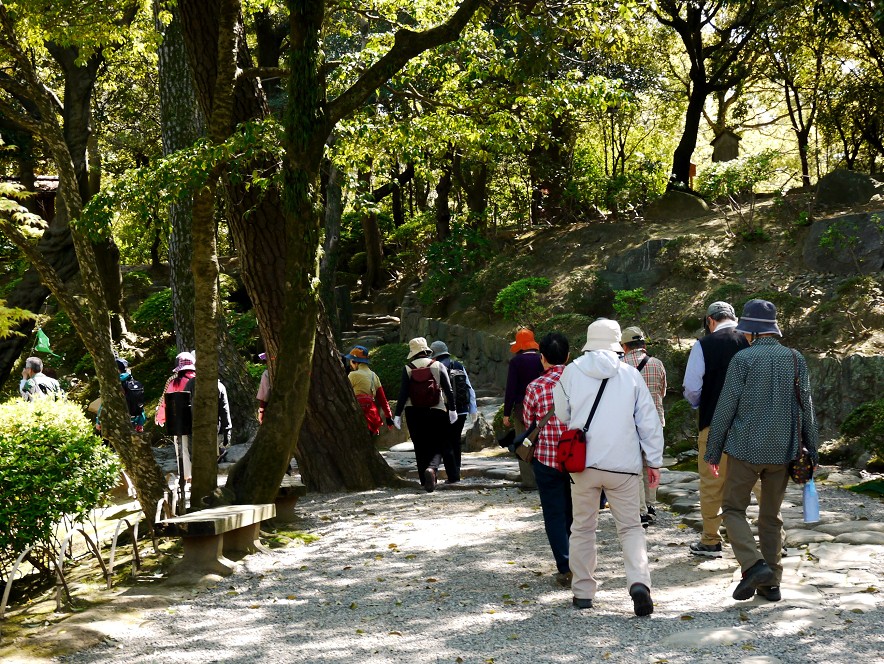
x: 464, y: 404
x: 368, y: 389
x: 185, y: 370
x: 38, y: 385
x: 134, y: 393
x: 425, y: 391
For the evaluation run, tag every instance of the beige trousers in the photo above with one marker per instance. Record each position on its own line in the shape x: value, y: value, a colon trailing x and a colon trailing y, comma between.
x: 622, y: 491
x: 741, y: 478
x: 712, y: 491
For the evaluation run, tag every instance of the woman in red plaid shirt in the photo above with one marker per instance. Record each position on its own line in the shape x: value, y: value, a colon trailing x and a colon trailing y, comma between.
x: 553, y: 484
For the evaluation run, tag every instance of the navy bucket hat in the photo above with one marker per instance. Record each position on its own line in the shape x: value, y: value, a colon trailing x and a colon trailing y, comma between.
x: 759, y: 317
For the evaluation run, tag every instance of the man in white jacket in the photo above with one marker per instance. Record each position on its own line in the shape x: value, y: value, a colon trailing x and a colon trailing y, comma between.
x: 625, y: 434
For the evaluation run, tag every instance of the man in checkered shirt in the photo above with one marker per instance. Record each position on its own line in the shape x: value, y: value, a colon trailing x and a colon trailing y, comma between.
x: 652, y: 370
x: 553, y: 484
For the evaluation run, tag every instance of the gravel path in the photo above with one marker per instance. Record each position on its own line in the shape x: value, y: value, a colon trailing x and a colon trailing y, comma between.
x: 466, y: 576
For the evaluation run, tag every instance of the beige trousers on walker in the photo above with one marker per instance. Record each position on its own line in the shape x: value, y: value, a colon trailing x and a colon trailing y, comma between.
x: 622, y: 491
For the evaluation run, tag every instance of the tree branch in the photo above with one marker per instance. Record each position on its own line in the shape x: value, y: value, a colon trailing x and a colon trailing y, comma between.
x: 407, y: 45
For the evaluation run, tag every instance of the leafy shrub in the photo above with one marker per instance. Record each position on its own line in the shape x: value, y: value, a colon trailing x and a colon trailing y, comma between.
x: 154, y: 316
x: 733, y: 294
x: 735, y: 182
x: 687, y: 256
x: 137, y: 281
x: 451, y: 260
x: 358, y: 263
x: 387, y: 362
x: 680, y: 432
x: 591, y: 295
x: 520, y: 301
x: 788, y: 306
x: 243, y: 329
x: 573, y: 326
x: 866, y: 423
x: 51, y: 467
x: 628, y: 303
x: 85, y: 365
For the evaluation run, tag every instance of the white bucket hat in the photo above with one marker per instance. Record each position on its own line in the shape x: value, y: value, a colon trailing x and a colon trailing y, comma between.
x: 416, y: 346
x: 603, y: 334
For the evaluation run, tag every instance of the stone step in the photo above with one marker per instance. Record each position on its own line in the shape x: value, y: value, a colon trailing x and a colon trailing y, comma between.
x: 374, y: 325
x: 376, y: 319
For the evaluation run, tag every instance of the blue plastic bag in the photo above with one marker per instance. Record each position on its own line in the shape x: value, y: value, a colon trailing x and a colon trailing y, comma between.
x: 811, y: 502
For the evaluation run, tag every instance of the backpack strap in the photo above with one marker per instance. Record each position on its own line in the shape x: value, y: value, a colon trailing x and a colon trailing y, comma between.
x: 641, y: 365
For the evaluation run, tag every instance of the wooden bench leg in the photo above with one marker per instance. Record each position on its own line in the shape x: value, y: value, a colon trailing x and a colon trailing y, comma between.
x: 285, y: 509
x: 242, y: 541
x: 204, y: 554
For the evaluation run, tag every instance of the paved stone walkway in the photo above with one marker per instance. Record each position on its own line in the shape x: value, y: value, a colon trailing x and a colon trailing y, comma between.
x: 826, y: 572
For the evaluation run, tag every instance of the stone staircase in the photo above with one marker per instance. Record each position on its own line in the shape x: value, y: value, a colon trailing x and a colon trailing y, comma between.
x: 371, y: 327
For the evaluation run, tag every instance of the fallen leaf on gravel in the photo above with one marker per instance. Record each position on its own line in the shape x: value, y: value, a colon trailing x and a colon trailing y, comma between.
x: 394, y: 633
x: 524, y: 585
x: 513, y: 637
x: 354, y: 605
x: 292, y: 597
x: 255, y: 606
x: 359, y: 631
x: 432, y: 580
x: 686, y: 617
x: 348, y: 567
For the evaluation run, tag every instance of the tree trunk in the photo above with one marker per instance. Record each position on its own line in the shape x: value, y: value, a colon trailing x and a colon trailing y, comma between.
x: 181, y: 123
x: 681, y: 159
x: 374, y: 248
x: 443, y: 210
x: 327, y: 460
x: 549, y: 163
x: 334, y: 208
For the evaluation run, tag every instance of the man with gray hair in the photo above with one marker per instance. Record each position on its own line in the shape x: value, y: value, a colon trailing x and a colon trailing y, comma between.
x: 703, y: 380
x: 38, y: 385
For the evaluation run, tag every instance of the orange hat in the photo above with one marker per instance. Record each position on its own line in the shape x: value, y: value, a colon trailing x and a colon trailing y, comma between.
x: 524, y: 341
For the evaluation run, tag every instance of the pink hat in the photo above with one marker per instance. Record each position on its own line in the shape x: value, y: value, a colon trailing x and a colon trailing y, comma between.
x: 185, y: 362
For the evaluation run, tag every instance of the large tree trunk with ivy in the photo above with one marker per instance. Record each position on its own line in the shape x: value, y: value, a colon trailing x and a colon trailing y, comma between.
x: 328, y: 266
x: 327, y: 461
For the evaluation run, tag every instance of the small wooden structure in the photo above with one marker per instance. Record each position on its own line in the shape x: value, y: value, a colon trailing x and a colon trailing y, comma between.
x: 726, y: 146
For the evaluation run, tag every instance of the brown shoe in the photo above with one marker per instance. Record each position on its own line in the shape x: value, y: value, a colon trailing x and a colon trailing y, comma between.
x: 430, y: 480
x: 564, y: 579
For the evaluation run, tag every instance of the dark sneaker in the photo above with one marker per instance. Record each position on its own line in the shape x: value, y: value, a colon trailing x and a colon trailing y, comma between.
x: 646, y: 520
x: 641, y: 599
x: 564, y: 579
x: 708, y: 550
x: 582, y: 603
x: 770, y: 593
x: 652, y: 511
x: 430, y: 480
x: 757, y: 575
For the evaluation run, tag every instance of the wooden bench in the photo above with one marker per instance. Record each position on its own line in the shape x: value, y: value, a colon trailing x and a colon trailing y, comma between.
x: 214, y: 536
x: 290, y: 489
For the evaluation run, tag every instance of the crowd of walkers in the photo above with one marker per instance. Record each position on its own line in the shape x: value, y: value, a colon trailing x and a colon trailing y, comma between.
x: 755, y: 414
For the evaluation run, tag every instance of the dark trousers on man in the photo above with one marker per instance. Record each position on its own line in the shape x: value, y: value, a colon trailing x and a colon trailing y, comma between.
x: 554, y: 489
x: 427, y: 427
x: 451, y: 453
x: 741, y: 477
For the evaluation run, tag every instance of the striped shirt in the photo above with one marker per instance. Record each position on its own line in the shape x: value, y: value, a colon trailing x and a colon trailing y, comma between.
x: 537, y: 403
x: 654, y: 374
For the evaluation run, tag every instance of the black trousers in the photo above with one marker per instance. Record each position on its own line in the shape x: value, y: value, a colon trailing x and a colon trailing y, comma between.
x: 428, y: 428
x: 451, y: 451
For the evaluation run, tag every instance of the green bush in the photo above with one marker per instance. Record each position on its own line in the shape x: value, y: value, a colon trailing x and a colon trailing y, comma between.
x: 154, y: 316
x: 358, y: 263
x: 628, y: 303
x: 520, y: 301
x: 573, y: 326
x: 452, y: 262
x: 733, y: 294
x: 591, y: 295
x: 680, y: 432
x: 137, y: 281
x: 243, y: 330
x: 387, y: 362
x: 687, y: 256
x: 52, y: 467
x: 866, y: 424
